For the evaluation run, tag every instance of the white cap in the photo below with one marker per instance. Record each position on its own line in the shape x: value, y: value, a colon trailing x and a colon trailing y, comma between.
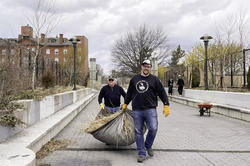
x: 146, y: 62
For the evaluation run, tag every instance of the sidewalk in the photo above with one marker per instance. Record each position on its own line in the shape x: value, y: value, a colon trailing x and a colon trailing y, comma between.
x: 184, y: 138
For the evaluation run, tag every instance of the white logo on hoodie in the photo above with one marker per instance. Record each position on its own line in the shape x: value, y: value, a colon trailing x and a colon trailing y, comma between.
x: 142, y: 86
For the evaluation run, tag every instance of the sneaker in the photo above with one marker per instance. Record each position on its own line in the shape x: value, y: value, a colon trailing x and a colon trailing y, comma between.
x: 140, y: 159
x: 150, y: 152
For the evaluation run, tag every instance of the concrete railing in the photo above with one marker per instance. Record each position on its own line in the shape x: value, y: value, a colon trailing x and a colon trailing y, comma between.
x: 234, y: 105
x: 226, y: 98
x: 20, y: 149
x: 35, y: 111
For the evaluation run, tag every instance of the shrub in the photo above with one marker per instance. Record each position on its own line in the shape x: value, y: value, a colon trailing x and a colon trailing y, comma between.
x: 10, y: 120
x: 7, y: 108
x: 195, y: 77
x: 28, y: 94
x: 48, y: 80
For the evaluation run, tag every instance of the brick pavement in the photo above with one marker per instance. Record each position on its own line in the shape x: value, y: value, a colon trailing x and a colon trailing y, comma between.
x: 184, y: 138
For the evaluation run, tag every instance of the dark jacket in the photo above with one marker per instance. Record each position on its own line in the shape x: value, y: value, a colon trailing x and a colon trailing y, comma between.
x: 180, y: 82
x: 170, y: 83
x: 143, y: 92
x: 111, y: 95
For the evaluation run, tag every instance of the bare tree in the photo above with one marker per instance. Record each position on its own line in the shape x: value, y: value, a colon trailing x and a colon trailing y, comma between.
x: 14, y: 71
x: 129, y: 52
x: 224, y: 31
x: 242, y: 25
x: 243, y: 20
x: 43, y: 20
x: 68, y: 66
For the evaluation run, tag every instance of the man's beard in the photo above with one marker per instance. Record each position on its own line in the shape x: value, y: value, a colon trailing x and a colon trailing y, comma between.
x: 145, y: 72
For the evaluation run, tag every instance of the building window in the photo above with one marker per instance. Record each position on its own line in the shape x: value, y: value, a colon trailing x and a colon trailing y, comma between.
x: 47, y: 51
x: 3, y: 59
x: 3, y: 52
x: 12, y: 52
x: 56, y: 60
x: 65, y: 51
x: 25, y: 59
x: 56, y: 51
x: 25, y: 37
x: 52, y: 40
x: 64, y: 60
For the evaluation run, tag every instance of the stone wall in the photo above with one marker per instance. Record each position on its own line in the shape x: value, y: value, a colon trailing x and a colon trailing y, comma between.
x: 35, y: 111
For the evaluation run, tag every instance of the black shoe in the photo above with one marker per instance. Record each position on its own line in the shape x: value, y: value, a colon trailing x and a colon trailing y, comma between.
x: 150, y: 152
x: 140, y: 159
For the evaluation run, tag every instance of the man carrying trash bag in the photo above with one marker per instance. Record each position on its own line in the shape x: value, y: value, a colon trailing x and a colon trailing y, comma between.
x: 112, y: 94
x: 110, y: 126
x: 143, y: 91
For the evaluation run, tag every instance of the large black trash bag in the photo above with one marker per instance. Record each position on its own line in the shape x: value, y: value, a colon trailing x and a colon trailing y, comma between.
x: 117, y: 129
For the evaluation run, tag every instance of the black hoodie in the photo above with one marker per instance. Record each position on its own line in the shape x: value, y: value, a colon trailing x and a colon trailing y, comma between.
x: 111, y: 95
x: 143, y: 92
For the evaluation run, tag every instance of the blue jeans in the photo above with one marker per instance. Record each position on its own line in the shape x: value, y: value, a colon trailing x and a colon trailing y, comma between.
x: 113, y: 109
x: 150, y: 117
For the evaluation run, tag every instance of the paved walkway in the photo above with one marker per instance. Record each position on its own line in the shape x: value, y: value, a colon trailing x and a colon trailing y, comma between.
x: 183, y: 139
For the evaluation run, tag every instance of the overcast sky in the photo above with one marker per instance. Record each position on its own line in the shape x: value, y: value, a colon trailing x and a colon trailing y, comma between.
x: 105, y: 21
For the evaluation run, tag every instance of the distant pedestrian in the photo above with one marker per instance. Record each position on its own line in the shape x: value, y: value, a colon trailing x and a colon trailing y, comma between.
x: 170, y: 86
x: 180, y: 84
x: 143, y: 91
x: 112, y: 95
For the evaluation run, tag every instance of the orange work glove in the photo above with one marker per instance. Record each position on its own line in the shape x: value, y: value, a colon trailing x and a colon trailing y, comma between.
x: 124, y: 107
x: 166, y: 111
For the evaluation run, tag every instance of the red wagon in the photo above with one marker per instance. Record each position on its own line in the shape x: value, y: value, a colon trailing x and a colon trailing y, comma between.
x: 205, y: 108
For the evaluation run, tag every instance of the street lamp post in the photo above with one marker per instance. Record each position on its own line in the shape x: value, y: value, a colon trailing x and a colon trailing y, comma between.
x: 206, y: 38
x: 244, y: 66
x: 74, y: 42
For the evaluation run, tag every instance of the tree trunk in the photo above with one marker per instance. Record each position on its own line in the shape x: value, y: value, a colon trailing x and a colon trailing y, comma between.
x: 34, y: 66
x: 232, y: 83
x: 191, y: 77
x: 221, y: 74
x: 34, y: 73
x: 212, y: 71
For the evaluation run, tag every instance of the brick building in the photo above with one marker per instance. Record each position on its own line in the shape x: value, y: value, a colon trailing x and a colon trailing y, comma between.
x: 56, y: 56
x: 55, y: 48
